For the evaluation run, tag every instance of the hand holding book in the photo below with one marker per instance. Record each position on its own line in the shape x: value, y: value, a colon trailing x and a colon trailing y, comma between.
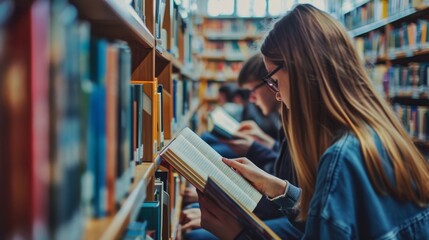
x: 264, y: 182
x: 251, y: 129
x: 240, y: 145
x: 217, y: 220
x: 203, y: 167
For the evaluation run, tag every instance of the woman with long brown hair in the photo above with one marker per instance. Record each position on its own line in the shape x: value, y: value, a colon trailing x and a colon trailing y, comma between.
x: 360, y: 175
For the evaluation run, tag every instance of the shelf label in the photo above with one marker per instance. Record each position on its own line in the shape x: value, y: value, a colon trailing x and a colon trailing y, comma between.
x: 141, y: 151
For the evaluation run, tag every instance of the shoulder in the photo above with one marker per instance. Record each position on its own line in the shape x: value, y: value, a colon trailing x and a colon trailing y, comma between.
x: 340, y: 168
x: 345, y: 155
x: 345, y: 149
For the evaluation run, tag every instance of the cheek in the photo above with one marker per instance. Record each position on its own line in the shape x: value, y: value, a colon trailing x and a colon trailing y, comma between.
x: 284, y: 90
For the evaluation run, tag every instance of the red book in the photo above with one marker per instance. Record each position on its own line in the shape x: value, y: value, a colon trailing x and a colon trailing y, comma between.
x: 23, y: 113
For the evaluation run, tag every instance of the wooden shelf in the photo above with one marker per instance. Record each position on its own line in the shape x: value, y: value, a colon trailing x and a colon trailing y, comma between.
x: 411, y: 101
x: 376, y: 60
x: 177, y: 65
x: 223, y: 58
x: 211, y: 100
x: 226, y: 80
x: 113, y: 227
x: 116, y: 20
x: 229, y: 17
x: 164, y: 56
x: 380, y: 23
x: 232, y: 37
x: 412, y: 55
x: 189, y: 76
x: 421, y: 144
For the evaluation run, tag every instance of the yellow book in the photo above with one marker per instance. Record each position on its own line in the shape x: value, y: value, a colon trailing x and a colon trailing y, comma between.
x: 424, y: 27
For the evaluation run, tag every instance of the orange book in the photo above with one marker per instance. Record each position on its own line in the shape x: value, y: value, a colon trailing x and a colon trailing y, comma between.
x: 424, y: 27
x: 111, y: 124
x: 411, y: 30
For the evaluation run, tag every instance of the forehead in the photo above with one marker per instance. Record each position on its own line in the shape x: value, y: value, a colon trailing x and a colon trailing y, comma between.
x: 268, y: 64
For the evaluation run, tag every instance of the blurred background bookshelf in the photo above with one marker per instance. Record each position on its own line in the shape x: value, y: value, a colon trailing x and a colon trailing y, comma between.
x: 391, y: 38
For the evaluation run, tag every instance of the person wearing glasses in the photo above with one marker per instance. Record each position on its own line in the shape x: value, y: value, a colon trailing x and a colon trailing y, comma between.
x: 360, y: 174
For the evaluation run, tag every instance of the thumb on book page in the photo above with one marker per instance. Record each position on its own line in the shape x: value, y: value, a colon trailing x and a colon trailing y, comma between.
x: 237, y: 164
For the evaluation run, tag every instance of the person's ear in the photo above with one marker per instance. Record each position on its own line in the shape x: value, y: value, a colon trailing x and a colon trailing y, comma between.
x: 278, y: 97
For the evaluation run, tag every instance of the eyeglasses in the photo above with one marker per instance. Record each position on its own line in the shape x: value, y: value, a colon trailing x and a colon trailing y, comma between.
x: 253, y: 90
x: 272, y: 84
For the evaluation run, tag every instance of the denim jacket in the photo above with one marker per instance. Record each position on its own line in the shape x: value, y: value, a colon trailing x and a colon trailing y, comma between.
x: 345, y: 205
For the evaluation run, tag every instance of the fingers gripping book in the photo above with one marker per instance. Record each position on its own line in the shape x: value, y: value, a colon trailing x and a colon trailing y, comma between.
x: 198, y: 162
x: 222, y: 124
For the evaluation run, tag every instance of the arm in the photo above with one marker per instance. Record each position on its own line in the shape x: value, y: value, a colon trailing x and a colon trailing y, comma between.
x: 216, y: 220
x: 191, y: 218
x: 261, y: 156
x: 277, y: 190
x: 264, y: 182
x: 221, y: 223
x: 251, y: 129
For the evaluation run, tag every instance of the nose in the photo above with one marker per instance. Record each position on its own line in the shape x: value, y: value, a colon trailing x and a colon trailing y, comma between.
x: 252, y: 97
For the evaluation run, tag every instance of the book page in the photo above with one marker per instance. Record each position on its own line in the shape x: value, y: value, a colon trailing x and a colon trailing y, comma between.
x: 225, y: 121
x: 199, y: 162
x: 216, y: 160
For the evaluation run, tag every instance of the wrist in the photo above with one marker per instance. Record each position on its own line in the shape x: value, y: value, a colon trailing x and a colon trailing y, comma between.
x: 277, y: 188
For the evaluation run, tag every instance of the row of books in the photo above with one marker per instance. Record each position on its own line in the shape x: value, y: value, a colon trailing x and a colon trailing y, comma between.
x: 405, y: 39
x: 153, y: 218
x: 108, y: 123
x: 221, y: 71
x: 211, y: 90
x: 375, y: 10
x: 404, y: 81
x: 397, y: 6
x: 234, y: 28
x: 415, y: 120
x: 408, y: 37
x: 72, y: 123
x: 372, y: 11
x: 139, y: 7
x: 371, y: 47
x: 230, y: 50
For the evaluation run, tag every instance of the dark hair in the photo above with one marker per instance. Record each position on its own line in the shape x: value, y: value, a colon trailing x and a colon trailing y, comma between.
x: 243, y: 94
x: 229, y: 91
x: 253, y: 69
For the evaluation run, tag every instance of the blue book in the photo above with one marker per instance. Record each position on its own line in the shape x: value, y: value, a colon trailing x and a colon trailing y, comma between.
x: 151, y: 212
x: 136, y: 231
x: 97, y: 127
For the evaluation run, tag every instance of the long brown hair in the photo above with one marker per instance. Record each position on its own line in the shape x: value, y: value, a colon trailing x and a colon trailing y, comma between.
x: 329, y: 92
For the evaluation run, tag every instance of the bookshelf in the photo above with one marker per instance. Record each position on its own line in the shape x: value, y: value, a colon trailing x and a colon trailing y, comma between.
x: 228, y: 42
x: 112, y: 227
x: 100, y: 94
x: 391, y: 37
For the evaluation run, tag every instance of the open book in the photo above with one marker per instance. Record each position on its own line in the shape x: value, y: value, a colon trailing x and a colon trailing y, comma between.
x: 197, y: 162
x: 222, y: 124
